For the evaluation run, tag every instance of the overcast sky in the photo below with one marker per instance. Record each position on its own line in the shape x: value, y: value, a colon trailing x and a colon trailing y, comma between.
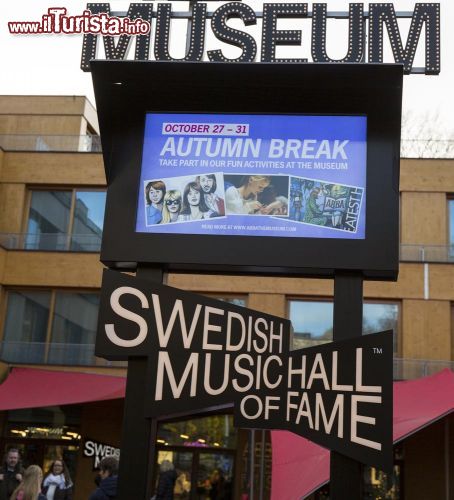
x: 50, y: 64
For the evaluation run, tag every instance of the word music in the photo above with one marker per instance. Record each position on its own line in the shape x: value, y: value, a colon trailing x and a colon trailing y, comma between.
x: 367, y: 33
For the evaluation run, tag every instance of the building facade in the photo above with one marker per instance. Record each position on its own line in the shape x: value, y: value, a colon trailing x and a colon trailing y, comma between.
x: 52, y: 196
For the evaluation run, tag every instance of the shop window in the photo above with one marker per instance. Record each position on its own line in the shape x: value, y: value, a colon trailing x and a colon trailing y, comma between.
x: 44, y: 434
x: 313, y: 321
x: 65, y: 220
x: 50, y: 327
x: 202, y: 451
x: 214, y: 431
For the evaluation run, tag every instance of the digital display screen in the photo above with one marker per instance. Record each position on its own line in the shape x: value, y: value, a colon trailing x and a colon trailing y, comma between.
x: 301, y: 176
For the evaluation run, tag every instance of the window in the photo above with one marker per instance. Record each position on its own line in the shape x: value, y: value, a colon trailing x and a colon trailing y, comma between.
x: 378, y: 317
x: 231, y: 299
x: 236, y: 301
x: 65, y: 220
x: 52, y: 327
x: 313, y: 321
x: 26, y: 325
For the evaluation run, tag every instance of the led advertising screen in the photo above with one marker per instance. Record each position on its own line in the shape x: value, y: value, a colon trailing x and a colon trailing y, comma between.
x: 301, y: 176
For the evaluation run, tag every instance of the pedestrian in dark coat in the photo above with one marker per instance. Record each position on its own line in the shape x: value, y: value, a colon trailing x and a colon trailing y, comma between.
x: 108, y: 472
x: 166, y: 483
x: 11, y: 474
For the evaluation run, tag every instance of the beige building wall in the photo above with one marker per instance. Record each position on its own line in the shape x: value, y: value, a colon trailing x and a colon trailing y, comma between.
x: 424, y: 218
x: 426, y: 333
x: 425, y: 185
x: 425, y: 292
x: 53, y: 115
x: 12, y: 205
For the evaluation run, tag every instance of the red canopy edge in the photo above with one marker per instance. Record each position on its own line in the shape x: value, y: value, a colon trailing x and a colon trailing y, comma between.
x: 299, y: 467
x: 31, y: 388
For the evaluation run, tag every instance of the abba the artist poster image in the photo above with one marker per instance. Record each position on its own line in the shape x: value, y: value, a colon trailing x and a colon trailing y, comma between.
x: 253, y: 175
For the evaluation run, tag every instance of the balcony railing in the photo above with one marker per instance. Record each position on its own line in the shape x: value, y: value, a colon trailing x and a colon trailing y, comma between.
x: 42, y: 353
x: 427, y: 253
x: 409, y: 369
x: 53, y: 242
x: 410, y: 148
x: 62, y: 242
x: 54, y: 353
x: 66, y: 143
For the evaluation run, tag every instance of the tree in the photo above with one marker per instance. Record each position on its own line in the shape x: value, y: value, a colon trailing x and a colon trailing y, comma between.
x: 421, y: 136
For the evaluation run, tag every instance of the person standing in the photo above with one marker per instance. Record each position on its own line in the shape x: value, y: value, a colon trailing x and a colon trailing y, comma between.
x: 108, y: 473
x: 57, y: 484
x: 166, y: 482
x: 11, y: 474
x: 30, y: 486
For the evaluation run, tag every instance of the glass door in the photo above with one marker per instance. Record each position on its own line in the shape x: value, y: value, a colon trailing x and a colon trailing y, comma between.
x: 183, y: 461
x: 201, y: 474
x: 215, y: 476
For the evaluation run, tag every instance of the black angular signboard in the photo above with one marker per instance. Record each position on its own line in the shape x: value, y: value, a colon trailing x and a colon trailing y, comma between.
x: 204, y: 352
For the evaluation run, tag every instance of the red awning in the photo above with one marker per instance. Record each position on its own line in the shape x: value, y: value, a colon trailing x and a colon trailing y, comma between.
x: 32, y: 388
x: 300, y: 467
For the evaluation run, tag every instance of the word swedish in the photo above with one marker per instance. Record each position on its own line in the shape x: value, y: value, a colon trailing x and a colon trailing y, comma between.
x: 245, y: 147
x: 259, y: 335
x: 361, y: 48
x: 99, y: 451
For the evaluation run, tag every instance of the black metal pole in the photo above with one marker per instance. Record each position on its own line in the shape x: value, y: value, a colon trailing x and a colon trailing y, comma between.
x: 346, y: 479
x: 137, y: 441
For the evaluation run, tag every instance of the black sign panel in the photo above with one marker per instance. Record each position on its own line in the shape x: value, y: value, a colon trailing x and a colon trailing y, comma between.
x: 338, y: 395
x: 97, y: 451
x: 127, y: 92
x: 204, y: 353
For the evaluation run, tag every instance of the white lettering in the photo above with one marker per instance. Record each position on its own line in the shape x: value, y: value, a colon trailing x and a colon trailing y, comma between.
x: 129, y: 315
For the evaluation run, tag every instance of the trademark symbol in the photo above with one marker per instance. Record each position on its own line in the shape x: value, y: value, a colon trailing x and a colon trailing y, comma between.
x: 377, y: 350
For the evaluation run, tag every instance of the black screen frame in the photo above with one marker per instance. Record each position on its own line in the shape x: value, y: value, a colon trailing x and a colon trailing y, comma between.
x: 127, y: 90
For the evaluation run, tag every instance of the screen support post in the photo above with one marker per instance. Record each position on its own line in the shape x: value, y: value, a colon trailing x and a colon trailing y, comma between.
x: 138, y: 440
x: 346, y: 479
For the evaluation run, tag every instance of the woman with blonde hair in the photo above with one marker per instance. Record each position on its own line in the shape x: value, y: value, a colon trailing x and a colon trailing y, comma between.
x: 30, y: 487
x: 171, y: 207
